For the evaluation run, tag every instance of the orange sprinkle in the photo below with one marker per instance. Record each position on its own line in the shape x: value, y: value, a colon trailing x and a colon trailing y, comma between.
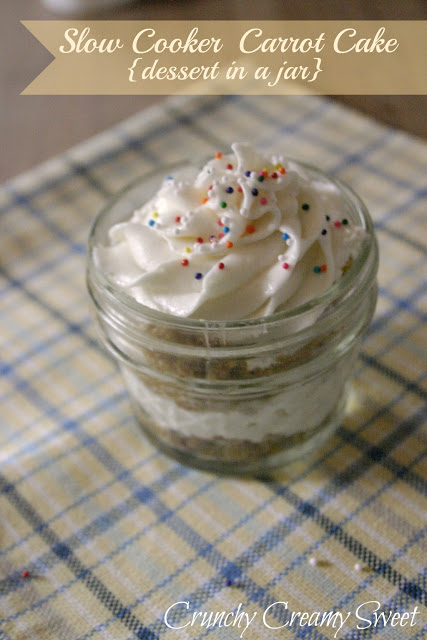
x: 250, y: 228
x: 228, y: 244
x: 218, y: 154
x: 282, y: 170
x: 204, y: 200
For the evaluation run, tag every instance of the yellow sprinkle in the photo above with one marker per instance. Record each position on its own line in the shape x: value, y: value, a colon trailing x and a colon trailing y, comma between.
x: 265, y: 169
x: 187, y: 250
x: 155, y: 215
x: 278, y: 166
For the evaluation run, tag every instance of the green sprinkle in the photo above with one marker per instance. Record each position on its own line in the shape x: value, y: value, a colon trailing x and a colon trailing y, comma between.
x: 305, y: 206
x: 317, y: 269
x: 223, y: 205
x: 344, y: 221
x: 260, y: 178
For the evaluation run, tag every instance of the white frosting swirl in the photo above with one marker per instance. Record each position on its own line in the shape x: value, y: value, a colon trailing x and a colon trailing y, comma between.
x: 244, y: 237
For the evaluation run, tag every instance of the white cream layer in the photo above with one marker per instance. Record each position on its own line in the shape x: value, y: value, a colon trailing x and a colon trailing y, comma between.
x: 298, y: 408
x: 244, y: 237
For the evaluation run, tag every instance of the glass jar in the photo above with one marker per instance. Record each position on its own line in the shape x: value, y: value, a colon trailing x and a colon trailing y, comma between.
x: 237, y: 397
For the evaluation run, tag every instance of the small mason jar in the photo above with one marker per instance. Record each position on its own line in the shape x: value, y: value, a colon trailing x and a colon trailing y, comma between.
x: 245, y: 396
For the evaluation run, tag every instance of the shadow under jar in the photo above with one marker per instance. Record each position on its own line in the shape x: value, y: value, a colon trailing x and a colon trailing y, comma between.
x: 245, y: 396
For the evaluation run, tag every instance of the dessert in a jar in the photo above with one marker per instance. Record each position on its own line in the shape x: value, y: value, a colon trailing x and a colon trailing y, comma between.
x: 234, y: 298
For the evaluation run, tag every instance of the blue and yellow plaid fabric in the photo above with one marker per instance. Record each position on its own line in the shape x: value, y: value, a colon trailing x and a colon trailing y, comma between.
x: 110, y: 531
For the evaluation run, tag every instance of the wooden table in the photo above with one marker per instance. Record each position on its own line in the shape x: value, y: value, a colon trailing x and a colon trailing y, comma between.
x: 33, y: 128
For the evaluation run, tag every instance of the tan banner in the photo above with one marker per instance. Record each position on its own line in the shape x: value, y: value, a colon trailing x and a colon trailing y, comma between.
x: 231, y: 57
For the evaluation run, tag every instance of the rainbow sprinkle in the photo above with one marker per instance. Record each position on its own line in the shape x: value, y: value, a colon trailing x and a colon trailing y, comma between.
x: 320, y: 269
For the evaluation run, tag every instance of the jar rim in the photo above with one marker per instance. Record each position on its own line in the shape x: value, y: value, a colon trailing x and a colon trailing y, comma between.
x: 368, y: 253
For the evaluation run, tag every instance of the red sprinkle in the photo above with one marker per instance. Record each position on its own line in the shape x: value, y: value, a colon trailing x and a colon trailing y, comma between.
x: 239, y: 189
x: 177, y: 219
x: 250, y: 228
x: 218, y: 154
x: 184, y: 262
x: 25, y: 574
x: 229, y: 166
x: 282, y: 170
x: 274, y: 175
x: 263, y: 200
x: 220, y: 223
x: 221, y: 265
x: 200, y: 240
x: 337, y: 223
x: 221, y: 235
x: 323, y: 267
x: 285, y: 265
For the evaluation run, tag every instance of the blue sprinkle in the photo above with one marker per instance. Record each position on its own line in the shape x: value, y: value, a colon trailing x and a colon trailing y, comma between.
x: 285, y: 236
x: 248, y: 174
x: 226, y: 229
x: 151, y: 223
x: 198, y: 276
x: 317, y: 269
x: 169, y: 178
x: 229, y: 190
x: 254, y: 192
x: 328, y: 218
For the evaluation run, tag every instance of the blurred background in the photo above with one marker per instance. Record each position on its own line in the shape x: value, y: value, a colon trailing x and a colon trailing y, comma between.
x: 34, y: 128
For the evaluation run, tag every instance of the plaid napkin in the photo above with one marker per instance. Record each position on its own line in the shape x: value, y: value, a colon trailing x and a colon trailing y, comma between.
x: 100, y: 534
